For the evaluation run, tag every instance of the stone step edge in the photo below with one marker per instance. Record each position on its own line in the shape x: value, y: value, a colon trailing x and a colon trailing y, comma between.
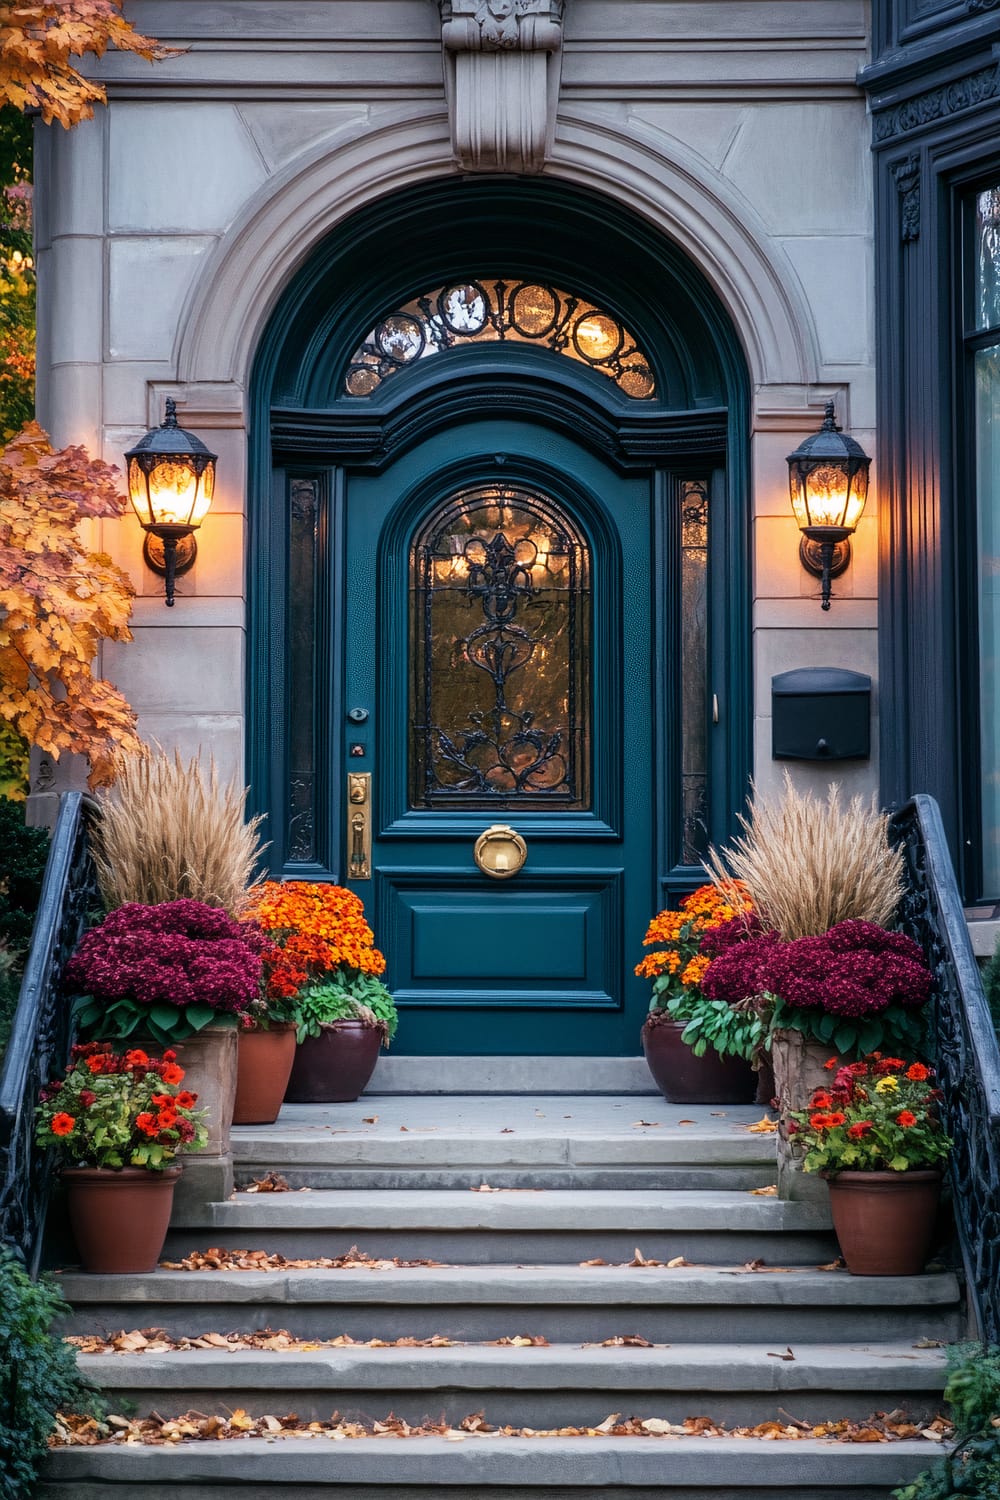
x: 543, y: 1153
x: 681, y: 1367
x: 511, y: 1075
x: 514, y: 1285
x: 590, y: 1463
x: 576, y: 1211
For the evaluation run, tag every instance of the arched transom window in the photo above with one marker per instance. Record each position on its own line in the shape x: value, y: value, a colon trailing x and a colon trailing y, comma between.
x: 487, y: 311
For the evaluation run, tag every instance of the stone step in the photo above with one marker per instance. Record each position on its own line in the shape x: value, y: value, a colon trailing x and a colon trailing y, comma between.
x: 539, y: 1469
x: 564, y: 1304
x: 539, y: 1226
x: 397, y: 1074
x: 562, y: 1385
x: 525, y: 1141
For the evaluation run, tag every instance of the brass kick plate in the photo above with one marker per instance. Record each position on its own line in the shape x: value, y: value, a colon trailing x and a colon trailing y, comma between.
x: 359, y: 825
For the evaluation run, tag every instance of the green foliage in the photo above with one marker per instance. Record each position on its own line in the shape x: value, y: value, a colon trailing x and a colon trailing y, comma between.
x: 23, y: 852
x: 898, y: 1028
x: 165, y: 1024
x: 13, y: 763
x: 717, y: 1024
x: 991, y: 986
x: 346, y: 995
x: 38, y: 1376
x: 10, y: 984
x: 972, y: 1469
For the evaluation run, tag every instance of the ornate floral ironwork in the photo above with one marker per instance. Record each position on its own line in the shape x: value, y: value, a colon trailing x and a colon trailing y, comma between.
x: 487, y: 311
x: 39, y: 1042
x: 501, y: 733
x: 967, y: 1055
x: 694, y: 670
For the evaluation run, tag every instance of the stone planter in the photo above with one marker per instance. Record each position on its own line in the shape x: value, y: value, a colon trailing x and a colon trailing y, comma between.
x: 683, y: 1078
x: 799, y: 1071
x: 209, y: 1062
x: 119, y: 1218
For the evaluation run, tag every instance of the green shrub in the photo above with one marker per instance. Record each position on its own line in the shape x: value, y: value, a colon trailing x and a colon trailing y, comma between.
x: 10, y: 984
x: 346, y: 995
x: 973, y: 1466
x: 23, y: 852
x: 38, y: 1376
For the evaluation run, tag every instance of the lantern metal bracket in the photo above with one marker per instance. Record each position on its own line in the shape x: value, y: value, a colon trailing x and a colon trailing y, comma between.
x: 825, y: 552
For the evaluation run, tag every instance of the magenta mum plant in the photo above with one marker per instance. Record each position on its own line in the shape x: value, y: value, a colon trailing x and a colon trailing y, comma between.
x: 857, y: 987
x: 169, y: 970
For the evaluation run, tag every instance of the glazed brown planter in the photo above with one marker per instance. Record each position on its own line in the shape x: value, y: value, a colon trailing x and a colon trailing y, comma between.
x: 119, y: 1218
x: 334, y: 1067
x: 683, y: 1078
x: 885, y: 1220
x: 263, y: 1065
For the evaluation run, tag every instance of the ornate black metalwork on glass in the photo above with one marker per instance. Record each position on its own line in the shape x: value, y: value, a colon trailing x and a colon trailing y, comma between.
x: 500, y: 647
x: 487, y: 311
x: 39, y: 1042
x: 694, y: 670
x: 967, y: 1056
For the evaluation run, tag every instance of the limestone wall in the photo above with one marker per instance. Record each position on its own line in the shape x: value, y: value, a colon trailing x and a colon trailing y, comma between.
x: 168, y: 225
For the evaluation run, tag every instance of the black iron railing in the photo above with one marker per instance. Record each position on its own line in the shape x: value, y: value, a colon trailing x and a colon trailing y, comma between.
x: 39, y: 1041
x: 967, y: 1055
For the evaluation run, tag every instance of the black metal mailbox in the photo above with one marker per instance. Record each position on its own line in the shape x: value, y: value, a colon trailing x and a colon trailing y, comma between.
x: 821, y: 713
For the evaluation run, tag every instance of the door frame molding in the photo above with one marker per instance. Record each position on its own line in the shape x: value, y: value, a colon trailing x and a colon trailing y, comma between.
x: 706, y: 427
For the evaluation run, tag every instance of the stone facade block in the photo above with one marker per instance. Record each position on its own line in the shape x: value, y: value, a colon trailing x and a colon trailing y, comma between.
x: 179, y: 166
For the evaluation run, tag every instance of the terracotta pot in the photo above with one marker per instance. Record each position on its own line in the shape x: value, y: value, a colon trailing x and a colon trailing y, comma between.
x: 209, y: 1062
x: 685, y: 1079
x: 885, y: 1220
x: 334, y: 1067
x: 119, y: 1218
x: 263, y: 1064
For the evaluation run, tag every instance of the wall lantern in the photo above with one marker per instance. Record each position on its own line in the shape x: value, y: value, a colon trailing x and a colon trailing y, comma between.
x: 171, y: 480
x: 828, y: 484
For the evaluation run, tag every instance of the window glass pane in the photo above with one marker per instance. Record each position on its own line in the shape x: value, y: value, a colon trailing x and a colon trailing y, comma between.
x: 987, y: 371
x: 303, y: 521
x: 486, y: 311
x: 694, y: 670
x: 987, y: 249
x: 500, y: 654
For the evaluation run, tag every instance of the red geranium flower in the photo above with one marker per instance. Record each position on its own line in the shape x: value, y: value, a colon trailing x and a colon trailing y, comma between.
x: 821, y: 1099
x: 906, y: 1118
x: 186, y: 1100
x: 167, y: 1119
x: 857, y: 1131
x: 87, y: 1098
x: 63, y: 1124
x: 136, y: 1058
x: 147, y: 1123
x: 172, y: 1073
x: 829, y: 1066
x: 917, y: 1072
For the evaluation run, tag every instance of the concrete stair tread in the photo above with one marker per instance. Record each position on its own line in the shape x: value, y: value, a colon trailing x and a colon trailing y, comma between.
x: 695, y: 1367
x: 517, y: 1208
x: 514, y: 1285
x: 798, y: 1465
x: 487, y: 1130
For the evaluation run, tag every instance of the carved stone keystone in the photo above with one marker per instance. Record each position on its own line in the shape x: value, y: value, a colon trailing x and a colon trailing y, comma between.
x: 502, y: 61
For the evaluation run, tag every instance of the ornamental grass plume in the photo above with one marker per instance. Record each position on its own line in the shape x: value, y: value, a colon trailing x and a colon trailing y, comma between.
x: 809, y: 863
x: 169, y: 832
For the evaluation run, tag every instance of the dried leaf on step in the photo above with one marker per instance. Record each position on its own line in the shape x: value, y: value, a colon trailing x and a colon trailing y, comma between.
x: 370, y: 1120
x: 926, y: 1343
x: 833, y: 1265
x: 639, y: 1259
x: 597, y: 1261
x: 648, y: 1124
x: 787, y: 1354
x: 765, y: 1192
x: 678, y: 1260
x: 507, y: 1131
x: 687, y: 1122
x: 764, y: 1126
x: 624, y: 1341
x: 271, y: 1182
x: 484, y: 1187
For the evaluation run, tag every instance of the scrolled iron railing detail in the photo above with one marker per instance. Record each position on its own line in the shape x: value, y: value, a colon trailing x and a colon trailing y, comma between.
x: 39, y: 1041
x: 967, y: 1056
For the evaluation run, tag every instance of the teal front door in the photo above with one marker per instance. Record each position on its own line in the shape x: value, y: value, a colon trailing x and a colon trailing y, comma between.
x: 498, y: 674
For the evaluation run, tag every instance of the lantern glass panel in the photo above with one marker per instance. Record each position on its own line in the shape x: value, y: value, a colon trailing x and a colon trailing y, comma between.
x: 137, y: 492
x: 173, y: 490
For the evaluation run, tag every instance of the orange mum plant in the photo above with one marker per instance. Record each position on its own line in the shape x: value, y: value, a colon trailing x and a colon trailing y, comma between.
x: 321, y: 964
x: 684, y: 944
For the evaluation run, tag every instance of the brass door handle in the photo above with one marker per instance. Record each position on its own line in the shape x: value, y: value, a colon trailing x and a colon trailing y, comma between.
x: 500, y: 852
x: 359, y: 825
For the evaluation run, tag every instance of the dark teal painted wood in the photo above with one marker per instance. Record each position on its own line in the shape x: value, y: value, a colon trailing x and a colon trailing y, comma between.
x: 581, y: 905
